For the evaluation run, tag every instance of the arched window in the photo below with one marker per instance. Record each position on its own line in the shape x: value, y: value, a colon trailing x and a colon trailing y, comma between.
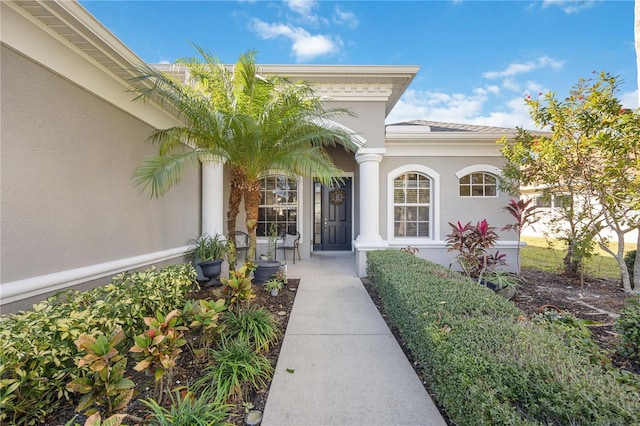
x: 478, y: 184
x: 278, y: 205
x: 478, y: 180
x: 412, y: 205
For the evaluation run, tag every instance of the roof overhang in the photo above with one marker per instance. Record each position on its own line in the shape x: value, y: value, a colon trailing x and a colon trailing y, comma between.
x: 74, y: 29
x: 65, y: 38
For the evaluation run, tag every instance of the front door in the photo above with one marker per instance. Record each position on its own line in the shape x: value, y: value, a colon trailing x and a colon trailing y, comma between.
x: 332, y: 216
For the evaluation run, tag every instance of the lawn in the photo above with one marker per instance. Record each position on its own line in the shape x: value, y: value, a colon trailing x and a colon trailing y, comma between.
x: 539, y: 255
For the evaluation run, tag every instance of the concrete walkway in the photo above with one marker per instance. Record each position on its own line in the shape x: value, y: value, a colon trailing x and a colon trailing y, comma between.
x: 339, y: 363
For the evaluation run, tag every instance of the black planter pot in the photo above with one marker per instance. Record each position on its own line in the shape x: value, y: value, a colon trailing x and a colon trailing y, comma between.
x: 265, y: 270
x: 212, y: 268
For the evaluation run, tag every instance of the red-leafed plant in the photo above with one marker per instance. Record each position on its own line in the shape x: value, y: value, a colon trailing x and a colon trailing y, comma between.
x: 473, y: 244
x: 524, y: 215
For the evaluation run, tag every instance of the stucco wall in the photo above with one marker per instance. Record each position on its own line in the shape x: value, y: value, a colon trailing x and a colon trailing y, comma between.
x: 67, y: 196
x: 451, y: 206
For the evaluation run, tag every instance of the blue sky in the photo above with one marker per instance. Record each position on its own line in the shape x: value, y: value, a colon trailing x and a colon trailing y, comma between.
x: 478, y: 59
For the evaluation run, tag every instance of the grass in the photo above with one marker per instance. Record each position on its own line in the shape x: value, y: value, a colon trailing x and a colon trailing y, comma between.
x: 538, y: 254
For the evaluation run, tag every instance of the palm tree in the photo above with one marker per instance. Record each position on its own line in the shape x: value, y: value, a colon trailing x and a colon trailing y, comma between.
x: 257, y: 124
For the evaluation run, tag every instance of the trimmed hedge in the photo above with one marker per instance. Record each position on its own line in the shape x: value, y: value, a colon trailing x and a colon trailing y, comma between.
x: 37, y: 349
x: 484, y: 362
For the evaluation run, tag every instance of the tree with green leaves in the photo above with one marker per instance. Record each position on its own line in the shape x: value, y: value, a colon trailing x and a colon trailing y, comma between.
x: 255, y: 123
x: 590, y: 152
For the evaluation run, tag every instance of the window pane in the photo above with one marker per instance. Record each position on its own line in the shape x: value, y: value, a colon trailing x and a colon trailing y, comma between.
x: 423, y: 229
x: 423, y: 195
x: 412, y: 196
x: 478, y: 185
x: 398, y: 196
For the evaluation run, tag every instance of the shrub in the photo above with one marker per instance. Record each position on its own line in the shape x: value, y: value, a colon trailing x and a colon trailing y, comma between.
x: 630, y: 260
x: 187, y: 410
x: 484, y: 362
x: 254, y: 325
x: 628, y: 325
x: 236, y: 368
x: 37, y: 350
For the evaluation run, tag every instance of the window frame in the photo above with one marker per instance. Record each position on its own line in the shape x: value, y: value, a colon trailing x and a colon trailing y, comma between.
x: 434, y: 203
x: 299, y: 204
x: 485, y: 169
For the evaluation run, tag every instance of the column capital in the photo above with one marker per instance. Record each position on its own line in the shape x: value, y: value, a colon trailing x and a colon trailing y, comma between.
x: 370, y: 154
x: 210, y: 159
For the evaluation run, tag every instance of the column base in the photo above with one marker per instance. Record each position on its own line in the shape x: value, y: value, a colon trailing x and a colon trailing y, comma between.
x: 362, y: 247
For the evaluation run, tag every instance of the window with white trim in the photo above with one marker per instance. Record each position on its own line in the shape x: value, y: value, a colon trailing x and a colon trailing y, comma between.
x: 478, y: 184
x: 411, y: 205
x: 278, y: 205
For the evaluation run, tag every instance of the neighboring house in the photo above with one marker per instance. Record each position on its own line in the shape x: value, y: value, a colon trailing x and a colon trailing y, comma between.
x: 549, y: 213
x: 71, y: 138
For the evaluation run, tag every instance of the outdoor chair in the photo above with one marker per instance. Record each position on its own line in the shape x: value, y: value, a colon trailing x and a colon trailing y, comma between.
x: 289, y: 242
x: 242, y: 243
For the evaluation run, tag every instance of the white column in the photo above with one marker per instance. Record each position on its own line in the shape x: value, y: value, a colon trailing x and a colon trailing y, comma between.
x: 369, y: 176
x: 212, y: 197
x: 369, y: 161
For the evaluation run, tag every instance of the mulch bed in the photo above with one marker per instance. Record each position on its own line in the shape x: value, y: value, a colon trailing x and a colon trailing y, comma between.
x: 187, y: 371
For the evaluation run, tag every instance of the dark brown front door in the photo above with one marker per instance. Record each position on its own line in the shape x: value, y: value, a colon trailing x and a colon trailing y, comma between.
x: 332, y: 217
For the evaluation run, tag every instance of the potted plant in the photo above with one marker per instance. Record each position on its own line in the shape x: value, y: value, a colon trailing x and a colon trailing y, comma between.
x: 274, y: 286
x: 208, y: 253
x: 266, y: 267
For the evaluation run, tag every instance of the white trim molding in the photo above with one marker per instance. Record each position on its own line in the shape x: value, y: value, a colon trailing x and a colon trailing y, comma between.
x: 487, y: 168
x: 22, y: 289
x: 434, y: 230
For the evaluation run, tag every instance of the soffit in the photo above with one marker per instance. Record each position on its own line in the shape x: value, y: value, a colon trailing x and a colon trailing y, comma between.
x: 70, y: 21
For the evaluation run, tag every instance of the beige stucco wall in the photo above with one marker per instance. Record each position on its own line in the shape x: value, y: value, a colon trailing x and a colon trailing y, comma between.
x: 67, y: 197
x: 451, y: 206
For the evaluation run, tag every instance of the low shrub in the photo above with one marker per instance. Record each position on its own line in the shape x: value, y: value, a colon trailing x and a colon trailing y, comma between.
x: 257, y: 326
x: 628, y: 325
x: 630, y: 261
x: 37, y: 350
x: 237, y: 367
x: 485, y: 363
x: 187, y: 409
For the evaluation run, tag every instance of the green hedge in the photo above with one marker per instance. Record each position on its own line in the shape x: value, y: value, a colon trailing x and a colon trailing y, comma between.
x: 484, y: 362
x: 37, y: 350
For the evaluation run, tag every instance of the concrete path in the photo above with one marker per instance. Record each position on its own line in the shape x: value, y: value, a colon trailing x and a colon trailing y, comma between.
x: 339, y: 363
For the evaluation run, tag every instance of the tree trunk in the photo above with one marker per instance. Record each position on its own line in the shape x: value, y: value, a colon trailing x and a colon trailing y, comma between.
x: 235, y: 197
x: 636, y: 264
x: 252, y: 197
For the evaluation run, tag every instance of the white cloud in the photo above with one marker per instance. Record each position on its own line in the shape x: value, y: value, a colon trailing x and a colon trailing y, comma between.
x: 520, y: 68
x: 345, y: 17
x: 305, y: 46
x: 302, y: 7
x: 569, y: 6
x: 511, y: 84
x: 460, y: 108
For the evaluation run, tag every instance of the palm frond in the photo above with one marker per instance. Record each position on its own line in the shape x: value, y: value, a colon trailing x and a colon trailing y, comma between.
x: 160, y: 173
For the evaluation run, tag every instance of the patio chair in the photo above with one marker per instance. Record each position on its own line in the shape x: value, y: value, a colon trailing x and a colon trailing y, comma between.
x: 242, y: 243
x: 289, y: 242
